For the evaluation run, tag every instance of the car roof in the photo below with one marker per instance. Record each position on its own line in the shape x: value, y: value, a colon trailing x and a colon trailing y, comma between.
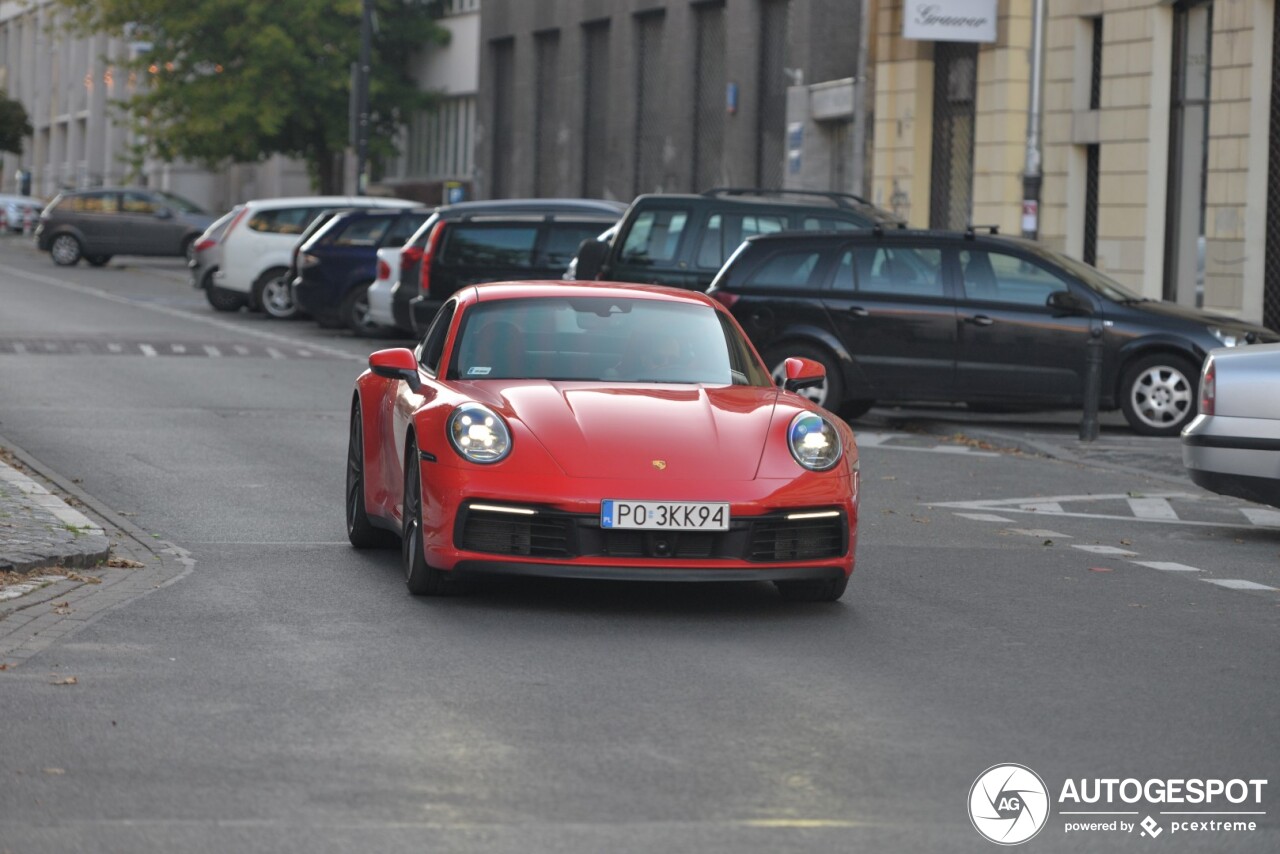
x: 971, y: 235
x: 755, y: 197
x: 533, y: 206
x: 553, y: 288
x: 331, y: 201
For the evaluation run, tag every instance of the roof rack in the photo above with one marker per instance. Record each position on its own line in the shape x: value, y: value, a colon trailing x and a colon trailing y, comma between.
x: 878, y: 228
x: 841, y: 199
x: 971, y: 230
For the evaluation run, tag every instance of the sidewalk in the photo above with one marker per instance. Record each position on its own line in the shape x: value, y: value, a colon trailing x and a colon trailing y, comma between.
x: 38, y: 529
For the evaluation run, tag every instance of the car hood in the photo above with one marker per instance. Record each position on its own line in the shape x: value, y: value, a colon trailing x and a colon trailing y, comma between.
x: 1189, y: 314
x: 606, y: 430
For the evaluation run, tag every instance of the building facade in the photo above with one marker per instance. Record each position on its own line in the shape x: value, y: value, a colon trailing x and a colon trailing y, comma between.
x: 1160, y: 138
x: 612, y: 98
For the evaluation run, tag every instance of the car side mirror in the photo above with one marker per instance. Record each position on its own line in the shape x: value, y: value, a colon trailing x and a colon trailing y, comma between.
x: 1066, y: 302
x: 590, y: 260
x: 397, y: 363
x: 803, y: 373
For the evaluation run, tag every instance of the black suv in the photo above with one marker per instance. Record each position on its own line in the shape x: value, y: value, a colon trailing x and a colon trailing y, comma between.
x: 472, y: 242
x: 911, y: 316
x: 683, y: 240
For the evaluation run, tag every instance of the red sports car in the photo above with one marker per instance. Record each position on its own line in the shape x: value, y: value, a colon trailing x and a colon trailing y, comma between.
x: 596, y: 430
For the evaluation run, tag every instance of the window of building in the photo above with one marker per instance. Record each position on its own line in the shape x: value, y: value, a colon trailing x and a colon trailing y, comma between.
x: 595, y: 108
x: 440, y: 140
x: 546, y: 118
x: 651, y: 102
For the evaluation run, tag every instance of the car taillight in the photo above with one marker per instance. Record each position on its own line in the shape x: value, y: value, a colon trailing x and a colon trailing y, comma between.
x: 427, y: 254
x: 725, y: 298
x: 410, y: 255
x: 307, y: 261
x: 384, y: 270
x: 207, y: 243
x: 1208, y: 388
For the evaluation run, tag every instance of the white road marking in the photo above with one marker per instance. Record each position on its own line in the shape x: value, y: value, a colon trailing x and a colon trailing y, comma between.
x: 212, y: 350
x: 983, y: 517
x: 1166, y: 566
x: 179, y: 348
x: 880, y: 440
x: 1105, y: 550
x: 19, y: 348
x: 1040, y: 532
x: 1013, y: 504
x: 1042, y: 507
x: 306, y: 354
x: 274, y: 353
x: 147, y: 350
x: 1045, y: 506
x: 115, y: 348
x: 870, y: 440
x: 1236, y: 584
x: 1263, y: 518
x: 241, y: 349
x: 1152, y: 508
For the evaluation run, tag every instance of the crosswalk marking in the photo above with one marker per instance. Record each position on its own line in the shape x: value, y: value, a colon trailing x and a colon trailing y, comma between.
x: 983, y: 517
x: 212, y: 351
x: 1165, y: 565
x: 1040, y: 532
x: 1152, y: 508
x: 115, y: 348
x: 1263, y: 518
x: 1236, y: 584
x: 1043, y: 507
x: 274, y: 353
x: 179, y: 348
x: 148, y: 350
x: 1104, y: 550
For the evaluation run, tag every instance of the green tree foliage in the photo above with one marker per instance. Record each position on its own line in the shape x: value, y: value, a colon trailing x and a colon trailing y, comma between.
x: 238, y: 80
x: 14, y: 124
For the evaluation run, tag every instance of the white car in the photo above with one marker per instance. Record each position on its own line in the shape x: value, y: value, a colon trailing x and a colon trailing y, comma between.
x: 1233, y: 446
x: 18, y: 212
x: 258, y: 244
x: 380, y: 291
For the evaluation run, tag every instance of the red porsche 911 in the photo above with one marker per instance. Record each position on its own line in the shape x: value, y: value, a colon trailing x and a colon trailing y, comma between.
x: 596, y: 430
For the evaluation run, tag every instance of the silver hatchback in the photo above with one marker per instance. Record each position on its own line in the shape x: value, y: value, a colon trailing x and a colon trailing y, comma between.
x: 98, y: 224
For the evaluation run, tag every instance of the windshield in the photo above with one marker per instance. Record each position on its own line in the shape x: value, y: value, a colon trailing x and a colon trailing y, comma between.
x: 603, y: 339
x: 1090, y: 276
x: 180, y: 204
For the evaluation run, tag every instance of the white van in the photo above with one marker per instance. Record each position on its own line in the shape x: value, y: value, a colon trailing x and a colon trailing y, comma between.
x: 258, y: 244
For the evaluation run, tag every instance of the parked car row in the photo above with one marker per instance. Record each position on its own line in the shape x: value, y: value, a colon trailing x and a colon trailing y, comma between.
x: 19, y: 212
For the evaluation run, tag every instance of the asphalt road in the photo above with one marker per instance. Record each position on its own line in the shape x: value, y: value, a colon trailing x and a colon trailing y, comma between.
x: 287, y: 694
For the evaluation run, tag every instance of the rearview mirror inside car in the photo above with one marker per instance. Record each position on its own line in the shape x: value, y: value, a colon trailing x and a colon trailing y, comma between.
x: 590, y: 261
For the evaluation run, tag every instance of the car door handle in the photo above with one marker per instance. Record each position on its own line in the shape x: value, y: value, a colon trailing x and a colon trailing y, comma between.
x: 857, y: 311
x: 979, y: 320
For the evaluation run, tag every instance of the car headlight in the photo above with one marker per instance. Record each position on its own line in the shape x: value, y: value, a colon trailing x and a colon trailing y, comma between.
x: 478, y: 433
x: 814, y: 442
x: 1227, y: 339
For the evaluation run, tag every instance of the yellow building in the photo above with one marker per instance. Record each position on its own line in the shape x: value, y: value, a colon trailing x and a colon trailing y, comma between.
x: 1160, y: 135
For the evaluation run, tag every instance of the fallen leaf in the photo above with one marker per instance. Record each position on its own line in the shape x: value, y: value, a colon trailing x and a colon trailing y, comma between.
x: 62, y: 608
x: 1099, y: 569
x: 1048, y: 542
x: 124, y: 563
x: 57, y: 772
x: 70, y: 680
x: 889, y: 477
x: 5, y: 666
x: 1125, y: 543
x: 1136, y: 605
x: 1238, y: 540
x: 84, y: 579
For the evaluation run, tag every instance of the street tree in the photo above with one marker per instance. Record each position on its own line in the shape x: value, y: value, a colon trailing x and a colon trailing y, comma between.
x: 218, y: 81
x: 14, y: 124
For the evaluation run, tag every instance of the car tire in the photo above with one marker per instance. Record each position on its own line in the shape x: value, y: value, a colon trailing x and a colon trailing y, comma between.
x: 822, y: 590
x: 830, y: 394
x: 360, y: 531
x: 98, y: 260
x: 354, y: 313
x: 65, y: 250
x: 223, y: 299
x: 420, y: 577
x: 1158, y: 394
x: 273, y: 293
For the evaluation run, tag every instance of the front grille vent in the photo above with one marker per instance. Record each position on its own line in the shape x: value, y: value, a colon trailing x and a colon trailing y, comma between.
x: 507, y: 534
x: 799, y: 539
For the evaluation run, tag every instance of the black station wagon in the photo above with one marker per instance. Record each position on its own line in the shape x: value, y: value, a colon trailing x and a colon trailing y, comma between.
x: 900, y: 315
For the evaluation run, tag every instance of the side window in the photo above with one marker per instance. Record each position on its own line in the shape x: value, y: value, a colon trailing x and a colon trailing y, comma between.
x: 654, y: 236
x: 562, y: 241
x: 404, y: 227
x: 997, y: 277
x: 823, y: 223
x: 787, y: 270
x: 433, y: 341
x: 363, y: 231
x: 489, y: 245
x: 897, y: 270
x: 725, y: 232
x: 137, y: 203
x: 282, y: 220
x: 94, y: 203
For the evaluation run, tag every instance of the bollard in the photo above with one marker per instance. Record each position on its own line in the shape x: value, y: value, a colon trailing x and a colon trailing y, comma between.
x: 1092, y: 386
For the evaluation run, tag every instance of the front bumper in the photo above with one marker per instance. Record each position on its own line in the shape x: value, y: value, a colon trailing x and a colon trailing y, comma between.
x: 643, y: 573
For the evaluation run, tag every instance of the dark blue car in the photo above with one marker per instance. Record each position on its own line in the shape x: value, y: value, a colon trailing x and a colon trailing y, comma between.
x: 339, y: 263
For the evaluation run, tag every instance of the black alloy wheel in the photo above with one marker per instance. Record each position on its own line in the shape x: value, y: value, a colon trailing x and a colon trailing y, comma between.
x: 421, y: 578
x: 65, y: 250
x: 362, y: 532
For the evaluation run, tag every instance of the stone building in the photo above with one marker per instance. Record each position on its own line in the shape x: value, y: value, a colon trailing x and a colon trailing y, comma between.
x: 1160, y: 138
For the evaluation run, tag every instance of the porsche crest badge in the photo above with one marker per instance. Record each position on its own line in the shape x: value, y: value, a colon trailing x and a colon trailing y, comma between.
x: 660, y: 464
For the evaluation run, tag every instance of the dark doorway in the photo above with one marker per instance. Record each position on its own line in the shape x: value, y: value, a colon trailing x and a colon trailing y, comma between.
x: 955, y: 78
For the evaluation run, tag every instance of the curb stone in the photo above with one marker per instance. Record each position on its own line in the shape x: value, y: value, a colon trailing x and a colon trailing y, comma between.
x: 38, y: 529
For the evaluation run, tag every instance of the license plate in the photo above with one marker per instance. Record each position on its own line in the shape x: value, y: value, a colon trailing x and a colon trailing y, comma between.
x: 664, y: 515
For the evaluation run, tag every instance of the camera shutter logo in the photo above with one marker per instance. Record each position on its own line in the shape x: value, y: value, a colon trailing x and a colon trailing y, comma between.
x: 1008, y: 804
